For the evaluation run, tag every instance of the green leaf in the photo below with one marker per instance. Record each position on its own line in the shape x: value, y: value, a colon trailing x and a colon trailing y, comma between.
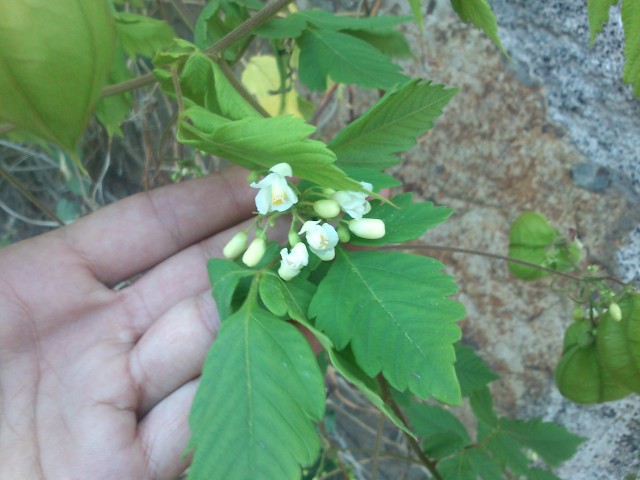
x: 260, y: 143
x: 470, y: 464
x: 471, y: 371
x: 551, y: 441
x: 480, y: 14
x: 442, y: 432
x: 260, y: 391
x: 290, y: 26
x: 533, y: 240
x: 598, y: 11
x: 324, y: 20
x: 55, y: 59
x: 345, y: 59
x: 405, y: 221
x: 217, y: 19
x: 346, y: 365
x: 111, y: 111
x: 393, y: 44
x: 631, y: 24
x: 142, y: 35
x: 286, y: 298
x: 224, y: 276
x: 393, y: 309
x: 391, y: 126
x: 539, y: 474
x: 482, y: 406
x: 379, y: 180
x: 416, y: 8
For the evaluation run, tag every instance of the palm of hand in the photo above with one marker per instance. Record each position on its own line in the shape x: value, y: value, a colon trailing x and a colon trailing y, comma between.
x: 97, y: 383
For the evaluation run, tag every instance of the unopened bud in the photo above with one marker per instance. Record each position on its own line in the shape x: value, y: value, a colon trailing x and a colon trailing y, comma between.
x: 615, y: 312
x: 577, y: 313
x: 371, y: 228
x: 327, y: 208
x: 255, y: 252
x: 235, y: 246
x: 328, y: 191
x: 253, y: 176
x: 343, y: 233
x: 294, y: 239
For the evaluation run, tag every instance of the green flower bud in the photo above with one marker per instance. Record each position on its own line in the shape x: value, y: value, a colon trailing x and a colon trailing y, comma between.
x: 615, y: 312
x: 371, y: 228
x: 253, y: 176
x: 343, y: 233
x: 294, y: 239
x: 577, y: 313
x: 255, y: 252
x: 235, y: 246
x: 327, y: 208
x: 328, y: 191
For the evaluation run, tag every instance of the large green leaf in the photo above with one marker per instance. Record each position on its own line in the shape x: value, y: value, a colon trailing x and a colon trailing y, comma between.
x: 631, y: 23
x: 404, y: 220
x: 393, y: 309
x: 142, y: 35
x: 480, y: 14
x: 260, y: 391
x: 391, y: 126
x: 345, y: 59
x: 598, y: 16
x: 260, y: 143
x: 54, y: 61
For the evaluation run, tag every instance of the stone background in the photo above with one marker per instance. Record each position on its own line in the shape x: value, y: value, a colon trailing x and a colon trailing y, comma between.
x: 553, y: 130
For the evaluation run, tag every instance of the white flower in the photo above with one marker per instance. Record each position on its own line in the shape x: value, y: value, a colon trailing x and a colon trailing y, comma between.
x: 235, y: 246
x: 354, y: 203
x: 322, y: 239
x: 371, y: 228
x: 275, y: 194
x: 293, y: 262
x: 255, y: 252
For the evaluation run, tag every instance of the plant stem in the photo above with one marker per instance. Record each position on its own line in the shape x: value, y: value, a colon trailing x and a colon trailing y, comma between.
x: 413, y: 443
x: 28, y: 195
x: 179, y: 8
x: 481, y: 254
x: 237, y: 85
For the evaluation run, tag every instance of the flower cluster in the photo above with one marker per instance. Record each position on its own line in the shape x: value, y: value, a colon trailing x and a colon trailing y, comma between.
x: 276, y: 194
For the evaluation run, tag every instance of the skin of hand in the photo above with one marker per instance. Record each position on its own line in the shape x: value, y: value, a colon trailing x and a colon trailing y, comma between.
x: 96, y: 383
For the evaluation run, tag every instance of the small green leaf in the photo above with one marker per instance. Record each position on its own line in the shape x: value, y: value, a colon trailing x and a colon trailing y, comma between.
x: 391, y: 126
x: 441, y: 431
x: 224, y: 276
x: 286, y: 298
x: 217, y: 19
x: 259, y: 393
x: 260, y: 143
x: 111, y: 111
x: 598, y: 11
x: 480, y: 14
x: 142, y: 35
x: 393, y: 309
x: 404, y: 220
x: 416, y: 8
x: 471, y: 371
x: 379, y: 180
x: 345, y: 59
x: 54, y: 61
x: 631, y: 24
x: 482, y: 406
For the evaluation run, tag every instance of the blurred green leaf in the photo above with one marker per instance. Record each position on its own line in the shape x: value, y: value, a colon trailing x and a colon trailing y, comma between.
x: 141, y: 35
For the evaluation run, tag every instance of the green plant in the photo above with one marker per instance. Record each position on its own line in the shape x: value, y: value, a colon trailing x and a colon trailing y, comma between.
x: 383, y: 319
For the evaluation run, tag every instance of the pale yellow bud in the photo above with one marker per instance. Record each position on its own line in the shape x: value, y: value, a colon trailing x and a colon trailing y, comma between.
x: 371, y: 228
x: 235, y: 246
x: 254, y: 253
x: 294, y: 239
x: 615, y: 312
x: 327, y: 208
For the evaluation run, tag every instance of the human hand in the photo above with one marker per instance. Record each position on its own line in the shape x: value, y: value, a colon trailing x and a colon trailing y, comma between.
x: 97, y: 383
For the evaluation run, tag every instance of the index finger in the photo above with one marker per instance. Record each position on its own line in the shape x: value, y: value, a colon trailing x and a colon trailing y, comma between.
x: 134, y: 234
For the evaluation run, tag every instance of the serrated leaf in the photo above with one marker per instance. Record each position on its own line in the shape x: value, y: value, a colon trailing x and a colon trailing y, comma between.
x: 598, y: 11
x: 393, y: 44
x: 394, y: 311
x: 391, y: 126
x: 404, y: 220
x: 346, y: 59
x: 55, y: 60
x: 224, y: 276
x: 379, y: 180
x: 551, y: 441
x: 141, y: 35
x: 631, y: 24
x: 480, y: 14
x: 260, y: 143
x: 482, y: 406
x: 328, y: 21
x: 345, y: 364
x: 260, y: 391
x: 471, y: 371
x: 442, y: 432
x: 470, y: 464
x: 286, y: 298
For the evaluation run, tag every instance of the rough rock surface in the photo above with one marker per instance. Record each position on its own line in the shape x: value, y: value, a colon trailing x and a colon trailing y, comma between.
x: 554, y: 130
